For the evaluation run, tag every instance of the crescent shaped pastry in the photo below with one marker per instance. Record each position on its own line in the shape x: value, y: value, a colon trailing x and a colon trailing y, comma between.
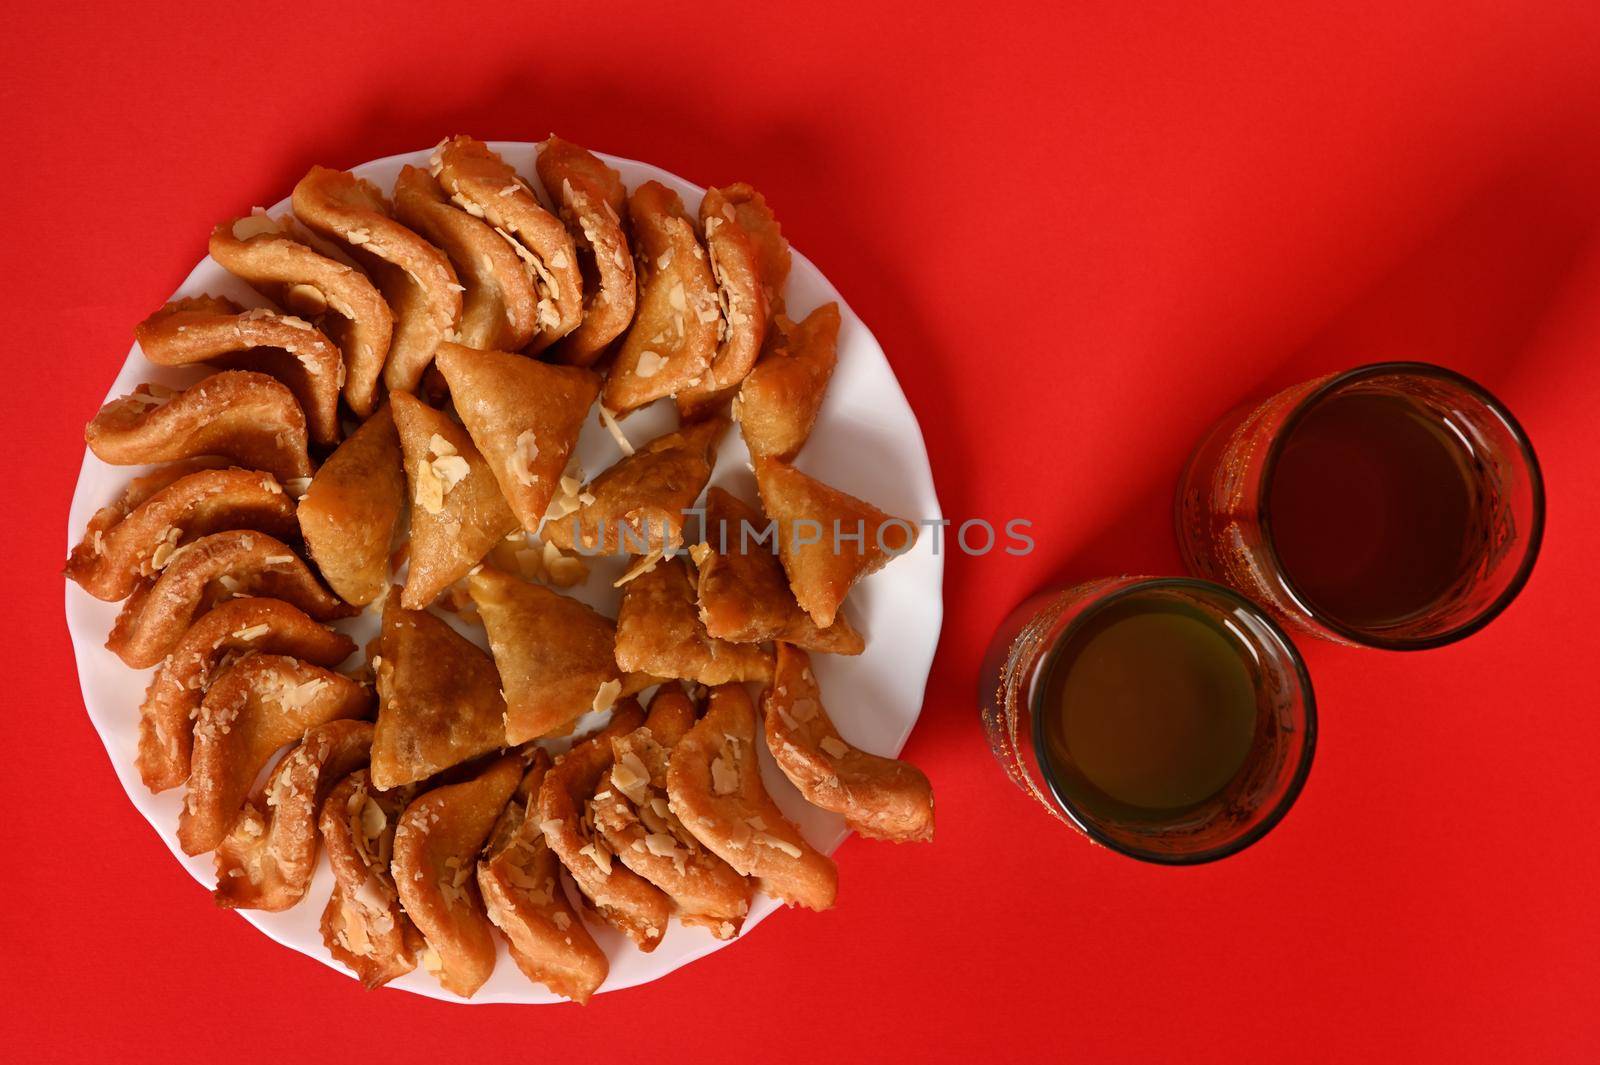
x: 336, y: 297
x: 524, y: 416
x: 236, y: 562
x: 659, y: 633
x: 485, y: 186
x: 254, y: 708
x: 881, y: 798
x: 439, y: 700
x: 363, y: 925
x: 673, y: 338
x: 349, y: 513
x: 813, y: 521
x: 622, y: 897
x: 751, y: 212
x: 639, y: 504
x: 741, y: 303
x: 113, y: 558
x: 266, y: 861
x: 499, y: 309
x: 457, y: 511
x: 435, y: 860
x: 519, y: 878
x: 218, y: 331
x: 743, y: 592
x: 245, y: 416
x: 416, y: 278
x: 714, y: 787
x: 233, y: 628
x: 590, y: 200
x: 779, y: 402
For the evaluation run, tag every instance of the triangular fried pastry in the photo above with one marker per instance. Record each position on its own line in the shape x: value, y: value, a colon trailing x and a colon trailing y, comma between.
x: 673, y: 338
x: 256, y: 706
x: 113, y: 558
x: 622, y: 897
x: 779, y: 402
x: 555, y: 655
x: 238, y: 414
x: 349, y: 513
x: 827, y: 540
x: 633, y: 816
x: 225, y: 563
x: 590, y: 200
x: 524, y: 416
x: 519, y: 877
x: 267, y: 860
x: 457, y: 511
x: 714, y: 787
x: 334, y: 296
x: 435, y: 860
x: 363, y: 924
x: 499, y: 308
x: 743, y: 592
x: 881, y: 798
x: 416, y: 278
x: 485, y: 186
x: 233, y: 628
x: 439, y: 700
x: 741, y: 303
x: 639, y: 504
x: 659, y: 633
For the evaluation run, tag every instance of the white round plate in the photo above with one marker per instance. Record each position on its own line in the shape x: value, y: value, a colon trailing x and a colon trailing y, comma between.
x: 866, y: 442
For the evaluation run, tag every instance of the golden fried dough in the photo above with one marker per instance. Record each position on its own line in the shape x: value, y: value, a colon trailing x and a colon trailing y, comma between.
x: 881, y: 798
x: 741, y: 304
x: 349, y: 513
x: 714, y: 787
x: 590, y: 199
x: 235, y: 627
x: 659, y: 633
x: 751, y: 212
x: 238, y: 414
x: 254, y: 707
x: 779, y: 402
x: 267, y: 860
x: 114, y: 556
x: 439, y: 700
x: 363, y: 924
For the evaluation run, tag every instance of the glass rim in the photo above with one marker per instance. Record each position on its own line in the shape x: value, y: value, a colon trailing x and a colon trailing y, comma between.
x: 1308, y: 705
x: 1530, y: 552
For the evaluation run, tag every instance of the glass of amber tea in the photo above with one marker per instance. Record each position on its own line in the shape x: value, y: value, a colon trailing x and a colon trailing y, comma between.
x: 1168, y: 719
x: 1398, y: 505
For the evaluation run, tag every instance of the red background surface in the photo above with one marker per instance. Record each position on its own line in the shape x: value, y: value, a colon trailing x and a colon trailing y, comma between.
x: 1080, y: 236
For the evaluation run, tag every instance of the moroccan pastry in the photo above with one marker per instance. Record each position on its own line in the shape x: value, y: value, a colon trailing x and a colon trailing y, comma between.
x: 743, y: 593
x: 751, y: 212
x: 236, y: 563
x: 115, y: 556
x: 778, y: 403
x: 363, y: 924
x: 485, y: 186
x: 334, y: 296
x: 622, y: 897
x: 435, y: 860
x: 439, y: 700
x: 499, y: 307
x: 590, y: 200
x: 659, y: 632
x: 267, y: 860
x: 714, y: 787
x: 519, y: 877
x: 813, y: 520
x: 415, y: 278
x: 881, y: 798
x: 238, y: 414
x: 524, y: 416
x: 257, y: 705
x: 457, y: 511
x: 639, y: 504
x: 234, y: 628
x: 349, y: 513
x: 741, y: 303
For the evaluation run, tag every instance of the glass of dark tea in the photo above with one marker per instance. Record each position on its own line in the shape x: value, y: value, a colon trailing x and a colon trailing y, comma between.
x: 1168, y: 719
x: 1397, y: 505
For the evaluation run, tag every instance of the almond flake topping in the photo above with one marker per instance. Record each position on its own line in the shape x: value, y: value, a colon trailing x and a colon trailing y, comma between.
x: 834, y: 746
x: 607, y: 695
x: 524, y: 455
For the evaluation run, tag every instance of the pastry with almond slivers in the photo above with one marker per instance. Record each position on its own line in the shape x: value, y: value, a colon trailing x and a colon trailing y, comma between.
x: 352, y: 508
x: 659, y: 632
x: 779, y: 402
x: 741, y: 302
x: 590, y: 201
x: 363, y: 924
